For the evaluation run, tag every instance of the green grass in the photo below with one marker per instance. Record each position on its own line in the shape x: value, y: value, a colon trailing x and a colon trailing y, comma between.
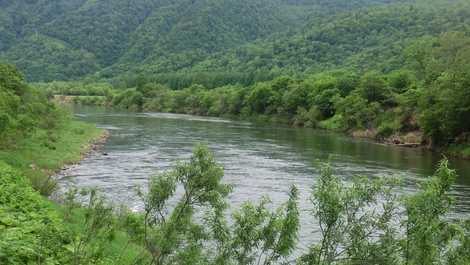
x: 122, y: 249
x: 42, y: 154
x: 30, y: 229
x: 33, y: 228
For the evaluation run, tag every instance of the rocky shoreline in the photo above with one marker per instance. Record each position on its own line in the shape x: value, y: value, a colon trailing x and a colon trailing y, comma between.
x: 96, y: 145
x: 93, y: 146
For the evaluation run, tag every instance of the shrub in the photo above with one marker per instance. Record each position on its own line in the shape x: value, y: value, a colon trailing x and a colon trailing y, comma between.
x: 173, y: 235
x: 30, y: 230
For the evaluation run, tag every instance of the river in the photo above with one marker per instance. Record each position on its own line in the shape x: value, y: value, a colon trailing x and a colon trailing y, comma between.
x: 258, y: 159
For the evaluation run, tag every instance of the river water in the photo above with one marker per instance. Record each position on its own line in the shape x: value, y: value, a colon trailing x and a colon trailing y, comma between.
x: 258, y: 159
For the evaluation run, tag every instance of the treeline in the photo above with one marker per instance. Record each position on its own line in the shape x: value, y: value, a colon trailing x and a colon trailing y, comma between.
x: 74, y: 88
x: 183, y: 80
x: 425, y: 102
x: 24, y: 111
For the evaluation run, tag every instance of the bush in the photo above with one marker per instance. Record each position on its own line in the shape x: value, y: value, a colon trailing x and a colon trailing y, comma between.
x: 129, y: 99
x: 309, y: 118
x: 173, y: 235
x: 385, y: 130
x: 30, y: 230
x: 23, y: 110
x: 356, y: 112
x: 362, y: 223
x: 373, y: 87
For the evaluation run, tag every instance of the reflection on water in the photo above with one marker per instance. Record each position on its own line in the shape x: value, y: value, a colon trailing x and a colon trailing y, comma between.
x: 258, y: 159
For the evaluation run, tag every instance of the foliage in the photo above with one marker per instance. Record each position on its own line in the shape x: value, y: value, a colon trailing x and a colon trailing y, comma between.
x: 36, y: 136
x: 363, y: 222
x: 428, y: 234
x: 407, y: 59
x: 44, y: 58
x: 30, y: 230
x: 392, y: 68
x: 185, y: 222
x: 444, y: 106
x: 75, y: 88
x: 359, y: 223
x: 178, y: 234
x: 180, y: 43
x: 23, y: 110
x: 171, y: 237
x: 97, y: 231
x: 430, y: 96
x: 35, y: 231
x: 365, y: 39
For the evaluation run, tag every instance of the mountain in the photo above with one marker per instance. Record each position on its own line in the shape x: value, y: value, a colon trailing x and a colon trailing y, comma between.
x: 72, y: 39
x: 366, y: 39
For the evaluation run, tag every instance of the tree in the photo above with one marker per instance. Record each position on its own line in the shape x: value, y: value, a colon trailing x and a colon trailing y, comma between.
x: 373, y: 87
x: 428, y: 234
x: 444, y: 106
x: 174, y: 234
x: 261, y: 98
x: 356, y: 222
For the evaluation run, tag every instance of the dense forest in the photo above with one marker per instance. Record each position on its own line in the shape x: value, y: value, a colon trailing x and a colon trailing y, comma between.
x: 72, y: 39
x: 208, y: 42
x: 366, y: 39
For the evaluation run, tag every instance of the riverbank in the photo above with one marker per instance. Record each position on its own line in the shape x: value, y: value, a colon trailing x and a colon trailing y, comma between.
x: 414, y: 139
x: 34, y: 229
x: 459, y: 151
x: 42, y: 154
x: 259, y: 160
x: 411, y: 139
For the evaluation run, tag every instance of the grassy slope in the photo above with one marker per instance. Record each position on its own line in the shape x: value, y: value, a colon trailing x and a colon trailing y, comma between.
x: 25, y: 215
x: 37, y: 158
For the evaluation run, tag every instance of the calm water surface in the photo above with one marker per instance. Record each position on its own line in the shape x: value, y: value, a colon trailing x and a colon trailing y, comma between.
x: 258, y: 159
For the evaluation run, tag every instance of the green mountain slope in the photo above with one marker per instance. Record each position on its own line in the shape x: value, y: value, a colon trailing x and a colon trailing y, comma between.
x: 164, y: 36
x: 365, y: 39
x: 51, y: 59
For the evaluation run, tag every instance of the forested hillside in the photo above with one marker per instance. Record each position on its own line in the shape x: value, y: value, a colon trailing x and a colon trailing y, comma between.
x: 366, y: 39
x: 72, y: 39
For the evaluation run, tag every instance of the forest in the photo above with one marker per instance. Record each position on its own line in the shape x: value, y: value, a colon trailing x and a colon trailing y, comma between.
x: 76, y: 39
x: 426, y: 102
x: 86, y: 229
x: 395, y: 71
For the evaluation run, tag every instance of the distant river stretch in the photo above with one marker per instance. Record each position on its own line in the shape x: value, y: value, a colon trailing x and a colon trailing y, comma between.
x: 258, y: 159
